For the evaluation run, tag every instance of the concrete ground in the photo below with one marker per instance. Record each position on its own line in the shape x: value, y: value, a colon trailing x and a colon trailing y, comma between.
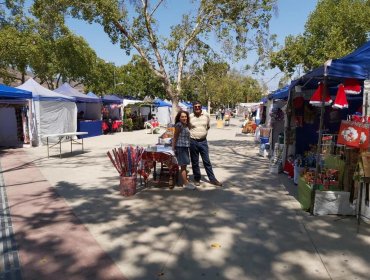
x: 252, y: 228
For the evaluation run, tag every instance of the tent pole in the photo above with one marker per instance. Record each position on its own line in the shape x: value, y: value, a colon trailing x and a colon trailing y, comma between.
x: 318, y: 150
x: 288, y: 128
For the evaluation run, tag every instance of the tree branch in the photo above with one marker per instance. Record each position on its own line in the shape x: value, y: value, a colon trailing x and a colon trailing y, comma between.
x: 142, y: 53
x: 156, y: 7
x: 152, y: 39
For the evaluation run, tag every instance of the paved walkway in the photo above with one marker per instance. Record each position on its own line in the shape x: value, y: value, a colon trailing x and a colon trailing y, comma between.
x: 252, y: 228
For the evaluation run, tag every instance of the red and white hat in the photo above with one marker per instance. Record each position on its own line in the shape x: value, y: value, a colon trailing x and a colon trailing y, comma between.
x: 352, y: 86
x: 316, y: 97
x: 341, y: 99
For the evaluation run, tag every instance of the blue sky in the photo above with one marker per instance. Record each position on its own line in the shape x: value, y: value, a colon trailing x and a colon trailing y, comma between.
x: 290, y: 20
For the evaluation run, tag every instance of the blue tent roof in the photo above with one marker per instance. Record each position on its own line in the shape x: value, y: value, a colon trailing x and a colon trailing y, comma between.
x: 91, y: 94
x: 160, y: 103
x: 10, y: 92
x: 281, y: 93
x: 263, y: 100
x: 354, y: 65
x: 111, y: 99
x: 66, y: 89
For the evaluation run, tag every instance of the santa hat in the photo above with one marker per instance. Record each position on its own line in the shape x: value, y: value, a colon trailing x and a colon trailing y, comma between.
x: 316, y: 97
x: 341, y: 99
x: 352, y: 86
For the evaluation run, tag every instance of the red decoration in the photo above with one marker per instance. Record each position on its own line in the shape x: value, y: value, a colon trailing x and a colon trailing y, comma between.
x: 352, y: 86
x: 341, y: 99
x: 316, y: 97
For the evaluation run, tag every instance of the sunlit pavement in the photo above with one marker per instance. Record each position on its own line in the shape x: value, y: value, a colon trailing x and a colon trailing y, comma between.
x: 252, y: 228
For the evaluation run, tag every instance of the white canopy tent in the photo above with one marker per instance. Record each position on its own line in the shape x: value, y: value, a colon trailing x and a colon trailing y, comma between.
x: 91, y: 106
x: 162, y: 111
x: 52, y: 112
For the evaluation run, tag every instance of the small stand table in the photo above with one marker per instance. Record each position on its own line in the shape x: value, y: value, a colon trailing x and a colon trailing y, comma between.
x: 66, y: 136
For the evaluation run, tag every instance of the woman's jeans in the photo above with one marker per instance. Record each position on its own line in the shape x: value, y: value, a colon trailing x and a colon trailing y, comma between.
x: 196, y: 149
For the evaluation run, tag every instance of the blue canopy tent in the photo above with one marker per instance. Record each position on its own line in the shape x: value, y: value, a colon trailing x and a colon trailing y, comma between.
x: 355, y: 65
x: 161, y: 103
x: 281, y: 93
x: 11, y: 132
x: 111, y: 99
x: 91, y: 94
x: 14, y: 93
x: 66, y: 89
x: 89, y: 108
x: 112, y: 111
x: 162, y: 111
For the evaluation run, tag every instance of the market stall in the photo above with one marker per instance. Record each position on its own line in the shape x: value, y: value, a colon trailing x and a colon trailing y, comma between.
x: 14, y: 114
x: 52, y: 112
x: 112, y: 113
x: 162, y: 110
x: 89, y: 111
x: 320, y: 103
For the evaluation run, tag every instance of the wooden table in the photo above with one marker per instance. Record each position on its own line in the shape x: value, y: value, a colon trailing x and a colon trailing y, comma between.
x: 64, y: 136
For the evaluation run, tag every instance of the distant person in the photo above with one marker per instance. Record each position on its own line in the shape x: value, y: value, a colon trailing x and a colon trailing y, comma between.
x: 181, y: 144
x: 222, y: 113
x: 199, y: 125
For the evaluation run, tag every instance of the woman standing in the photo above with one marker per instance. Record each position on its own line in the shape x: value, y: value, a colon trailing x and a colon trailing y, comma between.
x: 181, y: 144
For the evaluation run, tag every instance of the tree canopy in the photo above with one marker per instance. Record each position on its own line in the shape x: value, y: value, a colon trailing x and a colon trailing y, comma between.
x: 239, y: 26
x: 334, y: 29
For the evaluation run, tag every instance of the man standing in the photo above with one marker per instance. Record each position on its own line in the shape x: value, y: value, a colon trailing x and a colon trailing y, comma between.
x: 199, y: 125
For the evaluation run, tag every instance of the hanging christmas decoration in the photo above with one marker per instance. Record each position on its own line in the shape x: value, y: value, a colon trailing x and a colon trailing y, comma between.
x: 352, y: 86
x: 341, y: 99
x: 316, y: 98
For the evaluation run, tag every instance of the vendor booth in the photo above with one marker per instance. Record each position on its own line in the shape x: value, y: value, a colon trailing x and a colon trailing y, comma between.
x: 52, y: 112
x: 162, y: 110
x: 327, y: 132
x: 14, y: 112
x: 89, y: 111
x: 112, y: 114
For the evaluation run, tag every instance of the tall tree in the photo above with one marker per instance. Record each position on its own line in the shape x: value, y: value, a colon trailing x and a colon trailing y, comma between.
x: 334, y: 29
x: 138, y: 80
x: 240, y: 25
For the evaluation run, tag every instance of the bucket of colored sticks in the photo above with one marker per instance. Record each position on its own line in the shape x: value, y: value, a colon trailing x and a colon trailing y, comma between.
x: 127, y: 185
x: 126, y: 161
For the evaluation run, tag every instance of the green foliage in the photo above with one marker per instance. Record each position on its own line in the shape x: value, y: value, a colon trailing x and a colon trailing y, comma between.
x: 48, y: 52
x: 127, y: 124
x: 216, y: 83
x: 239, y: 25
x: 138, y: 80
x: 334, y: 29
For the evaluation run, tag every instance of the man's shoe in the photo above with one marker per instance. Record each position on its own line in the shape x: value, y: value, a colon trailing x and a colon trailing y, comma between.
x: 189, y: 186
x: 216, y: 183
x: 197, y: 183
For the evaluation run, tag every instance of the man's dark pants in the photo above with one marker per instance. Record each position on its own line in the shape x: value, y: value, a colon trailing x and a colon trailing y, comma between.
x: 196, y: 149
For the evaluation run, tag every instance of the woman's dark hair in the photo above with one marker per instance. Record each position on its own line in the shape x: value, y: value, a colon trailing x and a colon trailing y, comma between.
x: 177, y: 118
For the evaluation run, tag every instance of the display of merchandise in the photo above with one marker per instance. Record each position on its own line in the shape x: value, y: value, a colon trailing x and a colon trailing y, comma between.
x: 328, y: 143
x: 277, y: 158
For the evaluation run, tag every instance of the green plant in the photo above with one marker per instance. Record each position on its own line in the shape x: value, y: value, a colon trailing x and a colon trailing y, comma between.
x: 127, y: 124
